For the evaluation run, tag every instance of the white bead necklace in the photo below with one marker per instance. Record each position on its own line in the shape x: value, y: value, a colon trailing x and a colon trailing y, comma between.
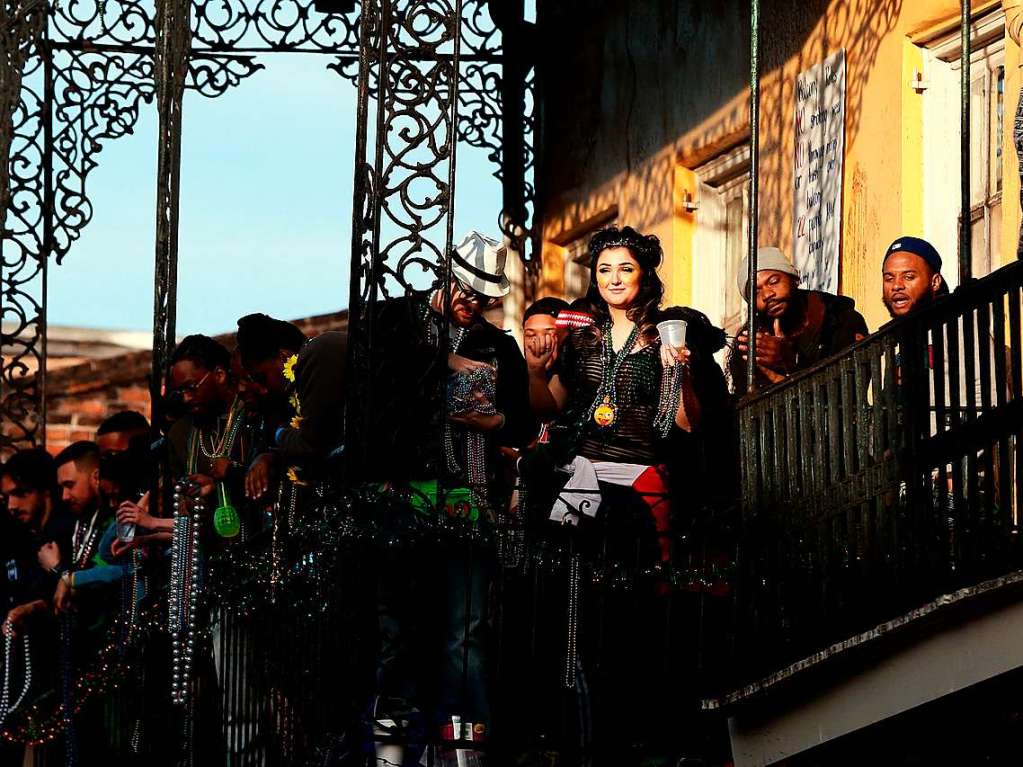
x: 183, y: 597
x: 6, y: 707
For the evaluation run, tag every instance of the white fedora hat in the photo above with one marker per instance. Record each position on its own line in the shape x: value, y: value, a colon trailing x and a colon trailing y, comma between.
x: 478, y: 263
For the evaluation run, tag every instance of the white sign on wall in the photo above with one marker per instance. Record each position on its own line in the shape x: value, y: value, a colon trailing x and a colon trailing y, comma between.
x: 820, y: 151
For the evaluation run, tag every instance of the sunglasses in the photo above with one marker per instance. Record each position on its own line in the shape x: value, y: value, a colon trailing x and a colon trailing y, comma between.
x: 475, y: 297
x: 189, y: 388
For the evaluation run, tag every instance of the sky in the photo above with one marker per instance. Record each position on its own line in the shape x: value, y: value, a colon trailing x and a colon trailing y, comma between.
x: 265, y: 218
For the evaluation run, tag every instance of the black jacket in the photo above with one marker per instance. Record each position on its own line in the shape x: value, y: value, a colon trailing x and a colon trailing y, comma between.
x: 410, y: 373
x: 839, y: 329
x: 319, y: 388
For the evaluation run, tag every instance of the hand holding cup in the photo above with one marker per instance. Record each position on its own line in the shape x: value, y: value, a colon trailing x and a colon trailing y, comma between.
x: 673, y: 343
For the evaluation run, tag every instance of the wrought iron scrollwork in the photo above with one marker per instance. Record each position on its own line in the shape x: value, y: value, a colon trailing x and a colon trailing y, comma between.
x: 89, y: 65
x: 269, y: 25
x: 415, y: 145
x: 212, y: 76
x: 403, y: 211
x: 273, y: 25
x: 96, y: 98
x: 23, y: 262
x: 480, y: 35
x: 481, y: 113
x: 479, y: 119
x: 103, y: 22
x: 518, y: 222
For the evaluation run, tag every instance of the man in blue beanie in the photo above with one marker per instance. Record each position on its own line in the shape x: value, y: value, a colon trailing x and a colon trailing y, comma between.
x: 911, y: 276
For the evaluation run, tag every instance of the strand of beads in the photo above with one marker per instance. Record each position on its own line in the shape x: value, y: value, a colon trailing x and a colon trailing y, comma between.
x: 671, y: 392
x: 65, y: 637
x: 84, y: 540
x: 476, y: 449
x: 28, y: 675
x: 604, y: 410
x: 5, y: 693
x: 6, y: 707
x: 449, y: 445
x: 571, y: 648
x: 275, y: 543
x: 292, y: 507
x: 136, y: 736
x: 136, y: 557
x: 183, y: 600
x: 234, y: 421
x: 473, y: 391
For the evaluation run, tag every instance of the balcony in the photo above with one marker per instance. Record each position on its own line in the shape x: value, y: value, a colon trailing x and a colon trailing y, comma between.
x: 879, y: 562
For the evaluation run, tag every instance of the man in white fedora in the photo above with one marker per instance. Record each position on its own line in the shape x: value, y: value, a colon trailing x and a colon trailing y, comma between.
x: 456, y: 391
x: 478, y: 265
x: 795, y: 328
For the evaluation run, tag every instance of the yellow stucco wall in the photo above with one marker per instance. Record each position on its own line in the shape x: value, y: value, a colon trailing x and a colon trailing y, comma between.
x: 883, y: 187
x: 1011, y: 214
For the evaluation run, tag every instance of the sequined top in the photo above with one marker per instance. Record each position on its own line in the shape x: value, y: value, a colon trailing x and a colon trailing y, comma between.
x: 631, y: 439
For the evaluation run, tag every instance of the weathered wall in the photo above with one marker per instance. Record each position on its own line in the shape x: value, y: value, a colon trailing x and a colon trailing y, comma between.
x: 883, y: 188
x: 623, y: 82
x: 635, y: 93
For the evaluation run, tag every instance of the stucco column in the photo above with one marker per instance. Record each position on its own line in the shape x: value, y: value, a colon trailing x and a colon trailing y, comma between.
x: 1014, y: 26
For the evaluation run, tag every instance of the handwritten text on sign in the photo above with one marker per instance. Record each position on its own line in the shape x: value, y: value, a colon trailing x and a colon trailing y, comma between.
x: 820, y: 149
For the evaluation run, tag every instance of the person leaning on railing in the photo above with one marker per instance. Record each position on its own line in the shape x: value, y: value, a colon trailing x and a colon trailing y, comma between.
x: 795, y: 328
x: 450, y: 393
x: 911, y: 281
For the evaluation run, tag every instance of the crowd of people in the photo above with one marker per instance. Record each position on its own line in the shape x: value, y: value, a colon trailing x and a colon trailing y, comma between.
x: 597, y: 445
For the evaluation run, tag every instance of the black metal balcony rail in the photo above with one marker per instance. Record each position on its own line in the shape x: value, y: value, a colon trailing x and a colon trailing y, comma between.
x: 882, y: 478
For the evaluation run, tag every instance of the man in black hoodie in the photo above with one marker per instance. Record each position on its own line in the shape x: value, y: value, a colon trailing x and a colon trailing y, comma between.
x: 795, y: 328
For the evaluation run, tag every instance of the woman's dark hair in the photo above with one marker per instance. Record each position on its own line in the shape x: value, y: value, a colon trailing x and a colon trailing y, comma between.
x: 202, y: 351
x: 647, y: 251
x: 704, y: 339
x: 261, y: 337
x: 702, y: 335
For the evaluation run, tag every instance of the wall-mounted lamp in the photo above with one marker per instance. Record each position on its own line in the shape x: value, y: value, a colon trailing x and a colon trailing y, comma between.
x: 918, y: 83
x: 689, y: 203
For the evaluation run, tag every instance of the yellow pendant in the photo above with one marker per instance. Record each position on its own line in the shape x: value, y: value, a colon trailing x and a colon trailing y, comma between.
x: 605, y: 413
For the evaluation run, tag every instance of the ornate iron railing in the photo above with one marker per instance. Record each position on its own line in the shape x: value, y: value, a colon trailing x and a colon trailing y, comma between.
x: 883, y: 478
x: 75, y: 76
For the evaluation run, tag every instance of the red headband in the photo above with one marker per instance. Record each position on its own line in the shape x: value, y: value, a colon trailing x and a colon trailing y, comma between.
x: 568, y: 318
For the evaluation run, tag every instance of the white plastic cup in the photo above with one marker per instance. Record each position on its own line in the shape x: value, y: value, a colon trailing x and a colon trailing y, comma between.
x: 672, y: 333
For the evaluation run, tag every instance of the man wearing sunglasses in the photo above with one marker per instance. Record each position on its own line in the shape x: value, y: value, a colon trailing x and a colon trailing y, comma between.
x: 450, y: 391
x: 200, y: 384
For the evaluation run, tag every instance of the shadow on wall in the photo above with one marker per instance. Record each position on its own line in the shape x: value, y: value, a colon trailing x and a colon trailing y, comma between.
x: 622, y: 81
x: 859, y: 27
x: 621, y: 105
x: 643, y: 197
